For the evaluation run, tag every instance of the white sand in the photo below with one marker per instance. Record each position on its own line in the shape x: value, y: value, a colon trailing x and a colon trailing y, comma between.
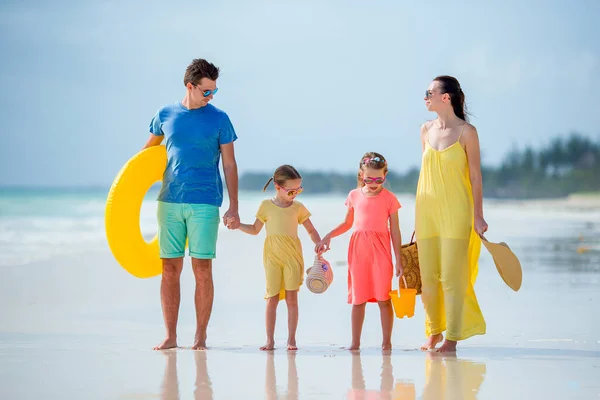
x: 81, y: 327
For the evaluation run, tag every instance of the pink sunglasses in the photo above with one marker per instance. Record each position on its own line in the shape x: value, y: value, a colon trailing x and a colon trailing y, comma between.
x: 377, y: 181
x: 292, y: 192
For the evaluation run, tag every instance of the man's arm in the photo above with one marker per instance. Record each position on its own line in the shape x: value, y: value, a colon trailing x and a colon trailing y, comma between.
x: 231, y: 217
x: 153, y: 140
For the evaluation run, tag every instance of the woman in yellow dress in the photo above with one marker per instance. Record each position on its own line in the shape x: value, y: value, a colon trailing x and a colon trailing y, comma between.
x: 449, y: 218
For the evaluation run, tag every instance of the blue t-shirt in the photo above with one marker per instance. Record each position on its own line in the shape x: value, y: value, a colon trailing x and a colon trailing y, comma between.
x: 192, y: 138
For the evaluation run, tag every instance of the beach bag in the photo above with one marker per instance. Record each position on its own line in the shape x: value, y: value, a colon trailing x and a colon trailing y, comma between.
x: 410, y: 261
x: 319, y: 276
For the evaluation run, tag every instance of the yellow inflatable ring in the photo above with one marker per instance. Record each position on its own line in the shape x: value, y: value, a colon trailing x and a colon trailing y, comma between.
x: 122, y: 215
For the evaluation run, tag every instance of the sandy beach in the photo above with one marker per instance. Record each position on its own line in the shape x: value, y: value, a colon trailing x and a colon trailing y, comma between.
x: 79, y: 326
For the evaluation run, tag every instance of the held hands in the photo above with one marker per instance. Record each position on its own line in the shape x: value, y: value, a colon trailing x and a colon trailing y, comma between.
x: 231, y: 219
x: 480, y: 226
x: 323, y: 245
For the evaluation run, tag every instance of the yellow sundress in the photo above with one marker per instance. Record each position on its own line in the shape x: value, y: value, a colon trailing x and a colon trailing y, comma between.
x: 447, y: 243
x: 282, y: 252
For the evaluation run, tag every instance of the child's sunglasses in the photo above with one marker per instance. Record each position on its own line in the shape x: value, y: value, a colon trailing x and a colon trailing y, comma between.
x: 369, y: 181
x: 293, y: 192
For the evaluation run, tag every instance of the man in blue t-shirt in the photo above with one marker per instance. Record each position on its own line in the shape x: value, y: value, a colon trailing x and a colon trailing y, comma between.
x: 196, y: 135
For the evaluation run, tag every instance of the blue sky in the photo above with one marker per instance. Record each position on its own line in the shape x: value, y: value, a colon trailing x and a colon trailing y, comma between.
x: 313, y: 83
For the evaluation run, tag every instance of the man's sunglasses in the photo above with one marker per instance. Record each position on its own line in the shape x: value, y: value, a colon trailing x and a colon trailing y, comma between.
x: 207, y: 93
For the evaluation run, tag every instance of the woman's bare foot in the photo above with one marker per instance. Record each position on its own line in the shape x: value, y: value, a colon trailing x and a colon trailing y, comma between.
x: 292, y: 345
x: 168, y: 343
x: 449, y: 346
x: 432, y: 342
x: 269, y: 346
x: 386, y: 347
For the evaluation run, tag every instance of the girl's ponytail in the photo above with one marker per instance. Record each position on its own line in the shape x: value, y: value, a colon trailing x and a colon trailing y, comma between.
x: 283, y: 174
x: 267, y: 184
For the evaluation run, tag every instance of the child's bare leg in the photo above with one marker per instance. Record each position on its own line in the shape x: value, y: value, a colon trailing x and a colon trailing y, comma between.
x: 291, y: 299
x: 358, y: 317
x: 387, y: 323
x: 271, y: 316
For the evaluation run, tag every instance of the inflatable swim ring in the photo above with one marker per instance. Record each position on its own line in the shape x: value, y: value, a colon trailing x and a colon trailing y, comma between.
x: 122, y: 215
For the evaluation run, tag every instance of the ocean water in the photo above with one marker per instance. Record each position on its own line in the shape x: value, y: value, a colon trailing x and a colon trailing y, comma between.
x: 36, y: 225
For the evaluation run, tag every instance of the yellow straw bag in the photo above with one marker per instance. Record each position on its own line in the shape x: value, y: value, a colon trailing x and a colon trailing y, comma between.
x: 410, y: 261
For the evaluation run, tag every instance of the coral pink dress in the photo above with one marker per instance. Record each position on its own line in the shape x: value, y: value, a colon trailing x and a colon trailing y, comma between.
x: 370, y: 267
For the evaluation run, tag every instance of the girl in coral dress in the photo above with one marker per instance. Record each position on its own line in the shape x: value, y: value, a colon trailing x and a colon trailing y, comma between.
x: 373, y: 213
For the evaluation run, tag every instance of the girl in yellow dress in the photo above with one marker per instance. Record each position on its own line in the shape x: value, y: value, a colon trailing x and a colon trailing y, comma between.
x: 282, y: 256
x: 449, y: 218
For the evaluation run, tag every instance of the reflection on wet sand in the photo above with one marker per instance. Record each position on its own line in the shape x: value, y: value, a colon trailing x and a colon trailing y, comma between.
x: 270, y: 379
x: 359, y: 392
x: 170, y: 385
x: 447, y: 377
x: 203, y: 385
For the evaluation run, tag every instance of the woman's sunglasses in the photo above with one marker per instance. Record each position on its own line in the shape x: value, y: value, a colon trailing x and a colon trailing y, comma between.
x: 293, y: 192
x: 428, y: 93
x: 369, y: 181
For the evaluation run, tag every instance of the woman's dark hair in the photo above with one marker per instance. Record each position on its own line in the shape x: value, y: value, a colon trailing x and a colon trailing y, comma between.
x: 282, y: 175
x: 450, y: 85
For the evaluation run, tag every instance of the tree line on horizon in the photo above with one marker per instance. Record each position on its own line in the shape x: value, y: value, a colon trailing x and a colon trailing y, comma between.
x: 564, y: 166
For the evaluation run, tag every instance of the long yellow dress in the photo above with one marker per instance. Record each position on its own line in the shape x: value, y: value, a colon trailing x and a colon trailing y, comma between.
x: 447, y: 244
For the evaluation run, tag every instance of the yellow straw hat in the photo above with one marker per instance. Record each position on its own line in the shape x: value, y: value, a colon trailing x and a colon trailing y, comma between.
x: 507, y: 263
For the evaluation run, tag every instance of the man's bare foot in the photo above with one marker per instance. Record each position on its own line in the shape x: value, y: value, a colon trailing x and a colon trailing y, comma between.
x: 168, y: 343
x: 432, y: 342
x: 449, y: 346
x: 386, y: 347
x: 199, y: 345
x: 269, y: 346
x: 353, y: 347
x: 200, y: 340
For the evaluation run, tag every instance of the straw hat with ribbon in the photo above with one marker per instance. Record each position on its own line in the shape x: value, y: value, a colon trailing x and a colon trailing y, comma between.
x: 319, y: 276
x: 507, y: 263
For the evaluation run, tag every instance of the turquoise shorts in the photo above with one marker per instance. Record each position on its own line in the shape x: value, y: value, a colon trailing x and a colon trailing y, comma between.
x: 198, y: 223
